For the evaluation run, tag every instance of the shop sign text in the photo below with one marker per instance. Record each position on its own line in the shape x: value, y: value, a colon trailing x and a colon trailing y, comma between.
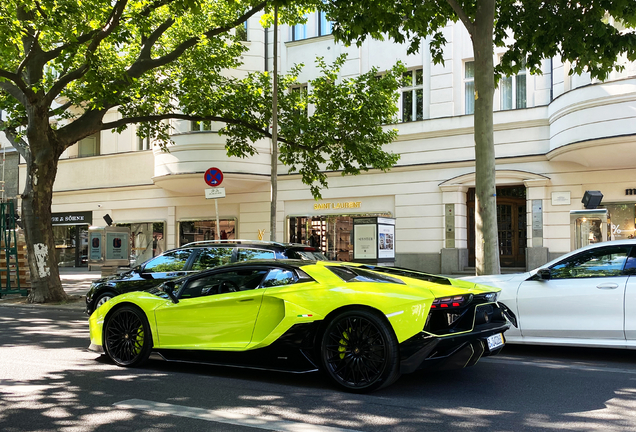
x: 630, y: 191
x: 338, y: 205
x: 73, y: 218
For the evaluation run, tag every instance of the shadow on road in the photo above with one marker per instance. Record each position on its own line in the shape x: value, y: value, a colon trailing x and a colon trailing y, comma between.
x: 49, y: 382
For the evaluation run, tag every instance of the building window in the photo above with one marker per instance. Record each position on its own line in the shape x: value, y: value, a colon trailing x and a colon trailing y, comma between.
x: 241, y: 32
x: 469, y: 87
x: 147, y: 240
x: 143, y: 143
x: 324, y: 25
x: 412, y: 95
x: 203, y: 125
x: 299, y: 32
x: 89, y: 146
x: 203, y: 230
x: 513, y: 90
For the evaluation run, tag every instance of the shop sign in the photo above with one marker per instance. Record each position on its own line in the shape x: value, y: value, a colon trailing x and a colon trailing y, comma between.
x: 117, y: 244
x: 95, y: 245
x: 365, y: 242
x: 72, y: 218
x: 338, y: 205
x: 561, y: 198
x: 386, y: 247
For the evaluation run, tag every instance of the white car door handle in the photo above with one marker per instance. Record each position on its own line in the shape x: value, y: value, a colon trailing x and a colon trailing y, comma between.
x: 607, y: 286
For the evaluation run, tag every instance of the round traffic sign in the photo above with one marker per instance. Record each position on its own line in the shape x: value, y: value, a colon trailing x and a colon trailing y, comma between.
x: 213, y: 177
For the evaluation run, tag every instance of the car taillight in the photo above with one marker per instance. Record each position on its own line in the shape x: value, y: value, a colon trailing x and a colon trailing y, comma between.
x: 449, y: 302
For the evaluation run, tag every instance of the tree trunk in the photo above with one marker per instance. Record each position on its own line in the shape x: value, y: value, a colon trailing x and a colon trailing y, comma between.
x: 274, y: 168
x: 36, y: 215
x: 486, y: 234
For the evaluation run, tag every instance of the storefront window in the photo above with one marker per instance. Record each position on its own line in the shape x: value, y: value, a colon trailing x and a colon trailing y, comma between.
x: 71, y: 245
x: 621, y: 220
x: 147, y: 240
x: 332, y: 234
x: 202, y: 230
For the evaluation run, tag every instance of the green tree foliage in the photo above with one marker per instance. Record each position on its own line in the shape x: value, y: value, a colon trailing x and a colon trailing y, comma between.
x: 581, y: 32
x: 65, y: 63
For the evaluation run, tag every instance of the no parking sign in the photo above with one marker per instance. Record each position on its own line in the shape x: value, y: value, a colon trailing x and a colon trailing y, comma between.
x: 213, y: 177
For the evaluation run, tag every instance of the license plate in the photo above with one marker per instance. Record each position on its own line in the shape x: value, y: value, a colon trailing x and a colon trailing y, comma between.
x: 495, y: 341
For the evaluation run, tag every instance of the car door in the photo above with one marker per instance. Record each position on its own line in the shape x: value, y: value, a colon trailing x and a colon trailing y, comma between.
x: 584, y: 297
x: 630, y: 297
x: 215, y: 311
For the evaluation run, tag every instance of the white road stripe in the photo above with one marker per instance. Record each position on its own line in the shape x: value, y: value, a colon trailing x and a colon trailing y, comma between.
x: 228, y: 417
x: 551, y: 365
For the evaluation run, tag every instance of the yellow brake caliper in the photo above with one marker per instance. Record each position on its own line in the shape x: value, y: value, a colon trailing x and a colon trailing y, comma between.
x: 343, y: 344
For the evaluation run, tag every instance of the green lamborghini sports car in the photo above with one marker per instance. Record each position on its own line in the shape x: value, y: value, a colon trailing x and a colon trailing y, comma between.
x: 362, y: 325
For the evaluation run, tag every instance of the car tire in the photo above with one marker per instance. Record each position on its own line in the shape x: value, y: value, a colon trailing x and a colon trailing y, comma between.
x: 127, y: 336
x: 359, y: 352
x: 103, y: 298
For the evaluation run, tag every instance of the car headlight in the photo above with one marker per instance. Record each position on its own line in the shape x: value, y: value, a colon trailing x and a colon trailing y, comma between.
x: 492, y: 297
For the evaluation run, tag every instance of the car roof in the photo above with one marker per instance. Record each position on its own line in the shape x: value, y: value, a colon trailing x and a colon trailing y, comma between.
x: 249, y: 243
x: 625, y: 242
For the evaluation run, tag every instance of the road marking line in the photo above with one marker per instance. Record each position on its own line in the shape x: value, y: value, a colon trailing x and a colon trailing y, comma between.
x: 228, y: 417
x: 549, y: 365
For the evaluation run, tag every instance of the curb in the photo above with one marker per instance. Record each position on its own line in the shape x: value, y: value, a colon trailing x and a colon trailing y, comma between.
x: 20, y: 302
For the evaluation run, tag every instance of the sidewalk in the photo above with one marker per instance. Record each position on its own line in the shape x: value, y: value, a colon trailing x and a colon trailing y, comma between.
x: 75, y: 281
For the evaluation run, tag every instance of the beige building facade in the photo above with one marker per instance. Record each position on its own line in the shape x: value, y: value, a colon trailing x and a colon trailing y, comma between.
x: 556, y: 136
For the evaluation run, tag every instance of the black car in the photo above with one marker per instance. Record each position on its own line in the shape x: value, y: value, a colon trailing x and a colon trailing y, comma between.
x: 190, y: 258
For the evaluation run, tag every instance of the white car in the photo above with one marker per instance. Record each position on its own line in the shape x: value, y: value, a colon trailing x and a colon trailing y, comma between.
x: 584, y: 298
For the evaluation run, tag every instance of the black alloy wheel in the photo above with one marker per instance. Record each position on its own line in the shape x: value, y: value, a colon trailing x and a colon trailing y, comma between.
x: 359, y: 352
x: 127, y: 337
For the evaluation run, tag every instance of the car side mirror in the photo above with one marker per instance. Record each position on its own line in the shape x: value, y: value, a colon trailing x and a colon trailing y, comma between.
x: 544, y: 274
x: 168, y: 288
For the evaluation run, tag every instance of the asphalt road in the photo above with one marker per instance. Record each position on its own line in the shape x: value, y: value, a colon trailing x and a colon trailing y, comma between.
x: 49, y: 382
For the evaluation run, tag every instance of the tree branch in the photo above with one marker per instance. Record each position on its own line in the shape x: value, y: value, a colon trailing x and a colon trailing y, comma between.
x: 18, y: 143
x: 152, y: 6
x: 146, y: 48
x: 39, y: 8
x: 60, y: 110
x: 143, y: 65
x: 28, y: 55
x: 470, y: 26
x: 265, y: 132
x: 111, y: 24
x: 81, y: 40
x: 12, y: 89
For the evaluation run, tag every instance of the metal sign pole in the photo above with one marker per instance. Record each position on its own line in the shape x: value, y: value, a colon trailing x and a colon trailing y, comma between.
x: 218, y: 228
